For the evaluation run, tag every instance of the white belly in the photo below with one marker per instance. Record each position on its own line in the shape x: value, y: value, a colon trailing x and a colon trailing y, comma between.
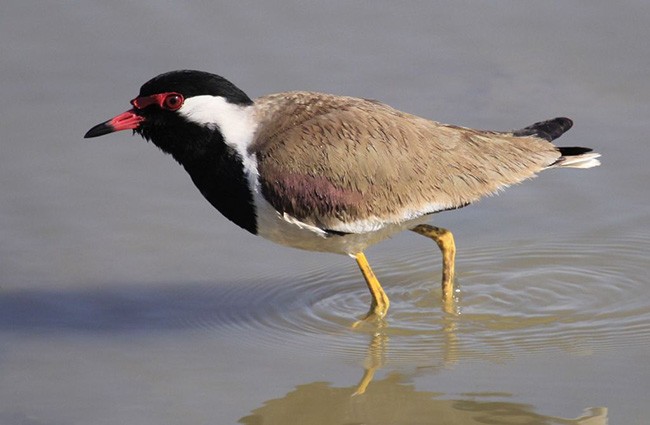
x: 286, y: 230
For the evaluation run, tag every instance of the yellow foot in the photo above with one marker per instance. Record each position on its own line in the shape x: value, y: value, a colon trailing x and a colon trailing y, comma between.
x: 374, y: 317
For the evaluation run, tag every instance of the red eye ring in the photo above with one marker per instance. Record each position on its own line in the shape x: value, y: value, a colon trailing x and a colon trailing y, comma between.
x: 173, y: 101
x: 170, y: 100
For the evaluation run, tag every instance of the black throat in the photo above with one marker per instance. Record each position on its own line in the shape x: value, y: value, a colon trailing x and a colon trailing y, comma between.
x: 216, y: 169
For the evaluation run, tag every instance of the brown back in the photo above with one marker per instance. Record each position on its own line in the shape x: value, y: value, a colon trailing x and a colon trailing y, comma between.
x: 327, y: 159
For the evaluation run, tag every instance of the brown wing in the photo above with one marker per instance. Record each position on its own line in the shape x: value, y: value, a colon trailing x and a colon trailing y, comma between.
x: 328, y: 160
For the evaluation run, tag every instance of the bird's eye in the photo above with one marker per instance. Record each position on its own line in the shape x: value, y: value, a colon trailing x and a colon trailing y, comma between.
x: 173, y: 101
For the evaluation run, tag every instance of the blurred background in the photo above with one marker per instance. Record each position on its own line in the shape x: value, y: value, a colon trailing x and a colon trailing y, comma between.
x: 125, y: 298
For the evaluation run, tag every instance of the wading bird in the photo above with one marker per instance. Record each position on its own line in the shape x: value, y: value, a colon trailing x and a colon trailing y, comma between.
x: 333, y: 173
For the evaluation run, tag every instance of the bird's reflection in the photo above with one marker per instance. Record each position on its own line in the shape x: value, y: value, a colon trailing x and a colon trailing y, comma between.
x: 395, y: 400
x: 392, y: 401
x: 376, y: 353
x: 374, y: 360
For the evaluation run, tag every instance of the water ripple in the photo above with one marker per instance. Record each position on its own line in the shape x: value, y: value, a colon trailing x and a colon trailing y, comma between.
x: 524, y: 297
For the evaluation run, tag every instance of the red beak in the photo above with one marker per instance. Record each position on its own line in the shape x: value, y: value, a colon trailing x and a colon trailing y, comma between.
x: 128, y: 120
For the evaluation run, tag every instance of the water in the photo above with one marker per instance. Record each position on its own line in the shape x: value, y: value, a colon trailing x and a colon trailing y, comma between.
x: 124, y: 298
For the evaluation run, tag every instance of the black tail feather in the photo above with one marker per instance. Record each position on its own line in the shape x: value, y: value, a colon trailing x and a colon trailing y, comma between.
x: 549, y: 130
x: 573, y: 151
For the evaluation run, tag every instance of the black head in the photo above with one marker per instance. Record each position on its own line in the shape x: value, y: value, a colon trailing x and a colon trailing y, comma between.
x: 192, y: 115
x: 191, y: 83
x: 157, y: 112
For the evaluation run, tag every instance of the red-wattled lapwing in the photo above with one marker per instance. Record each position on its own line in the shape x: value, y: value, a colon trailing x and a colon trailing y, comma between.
x: 333, y: 173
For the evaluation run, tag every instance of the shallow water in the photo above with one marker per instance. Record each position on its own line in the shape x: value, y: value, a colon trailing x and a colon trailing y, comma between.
x: 124, y: 298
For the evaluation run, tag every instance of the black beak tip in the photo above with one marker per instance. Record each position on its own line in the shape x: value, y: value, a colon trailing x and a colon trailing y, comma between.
x: 99, y: 130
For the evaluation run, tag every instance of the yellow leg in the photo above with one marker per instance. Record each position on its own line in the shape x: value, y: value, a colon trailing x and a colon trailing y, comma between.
x: 445, y: 241
x: 380, y: 303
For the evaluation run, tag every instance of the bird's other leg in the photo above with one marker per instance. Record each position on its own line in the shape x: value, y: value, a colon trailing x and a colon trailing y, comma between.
x: 445, y: 241
x: 380, y: 303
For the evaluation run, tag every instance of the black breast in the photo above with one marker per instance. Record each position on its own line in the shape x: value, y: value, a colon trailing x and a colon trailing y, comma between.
x: 216, y: 168
x: 218, y: 171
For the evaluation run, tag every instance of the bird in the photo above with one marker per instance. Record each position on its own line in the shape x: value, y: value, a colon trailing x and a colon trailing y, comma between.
x: 333, y: 173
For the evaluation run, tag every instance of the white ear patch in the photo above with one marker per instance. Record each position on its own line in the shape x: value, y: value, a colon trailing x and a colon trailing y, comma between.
x: 235, y: 122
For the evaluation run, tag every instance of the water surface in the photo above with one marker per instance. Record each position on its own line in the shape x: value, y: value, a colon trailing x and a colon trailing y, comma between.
x: 124, y: 298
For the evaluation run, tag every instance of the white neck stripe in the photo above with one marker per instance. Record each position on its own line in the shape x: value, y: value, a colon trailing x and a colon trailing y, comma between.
x: 235, y: 122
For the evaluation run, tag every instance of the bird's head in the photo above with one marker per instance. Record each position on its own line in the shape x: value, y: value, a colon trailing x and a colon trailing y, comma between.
x: 178, y: 109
